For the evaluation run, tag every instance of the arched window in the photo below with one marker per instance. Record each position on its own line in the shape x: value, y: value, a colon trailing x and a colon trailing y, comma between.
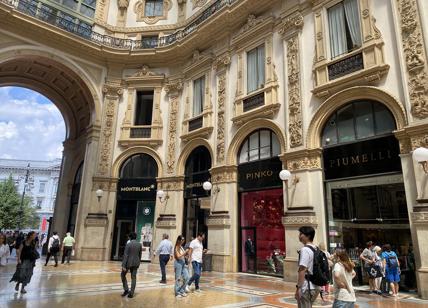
x: 139, y: 166
x: 356, y: 121
x: 199, y: 161
x: 261, y: 144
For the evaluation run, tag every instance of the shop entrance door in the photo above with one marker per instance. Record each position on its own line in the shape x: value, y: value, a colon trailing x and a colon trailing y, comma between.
x: 248, y: 250
x: 371, y: 209
x: 123, y: 228
x: 195, y: 220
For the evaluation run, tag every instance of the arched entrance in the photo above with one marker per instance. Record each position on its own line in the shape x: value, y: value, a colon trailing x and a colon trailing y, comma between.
x: 196, y: 200
x: 261, y: 207
x: 135, y: 206
x: 74, y: 199
x: 365, y: 194
x: 74, y: 94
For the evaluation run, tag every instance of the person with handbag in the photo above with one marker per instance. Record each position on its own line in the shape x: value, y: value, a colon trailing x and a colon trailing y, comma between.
x: 26, y: 257
x: 368, y: 257
x: 343, y: 273
x: 67, y: 244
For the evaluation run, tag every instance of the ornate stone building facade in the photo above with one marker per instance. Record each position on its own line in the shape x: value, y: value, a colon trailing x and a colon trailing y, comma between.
x: 164, y: 95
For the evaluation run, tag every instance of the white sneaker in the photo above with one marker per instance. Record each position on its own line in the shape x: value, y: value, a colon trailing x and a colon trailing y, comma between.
x: 187, y: 289
x: 198, y: 290
x: 183, y: 294
x: 178, y: 296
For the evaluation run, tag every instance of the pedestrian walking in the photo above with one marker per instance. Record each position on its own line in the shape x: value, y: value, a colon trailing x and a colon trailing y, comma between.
x: 180, y: 268
x: 4, y: 250
x: 11, y: 242
x: 53, y: 248
x: 19, y: 239
x: 392, y: 268
x: 313, y: 269
x: 165, y: 252
x: 26, y: 256
x: 343, y: 273
x: 67, y: 247
x: 368, y: 256
x: 196, y: 250
x: 379, y: 264
x: 131, y: 262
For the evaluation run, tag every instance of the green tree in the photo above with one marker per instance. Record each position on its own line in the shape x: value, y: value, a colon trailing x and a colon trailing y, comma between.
x: 10, y: 208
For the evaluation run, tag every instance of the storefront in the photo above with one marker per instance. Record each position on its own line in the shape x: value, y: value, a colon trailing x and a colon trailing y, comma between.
x: 364, y: 185
x: 261, y: 207
x: 196, y: 199
x: 135, y: 207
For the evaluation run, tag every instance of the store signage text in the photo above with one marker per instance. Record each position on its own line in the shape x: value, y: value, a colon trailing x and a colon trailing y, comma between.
x: 259, y: 175
x: 360, y: 159
x: 136, y: 188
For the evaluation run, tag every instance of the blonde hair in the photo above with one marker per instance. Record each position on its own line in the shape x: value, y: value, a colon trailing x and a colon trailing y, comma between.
x: 377, y: 249
x: 321, y: 246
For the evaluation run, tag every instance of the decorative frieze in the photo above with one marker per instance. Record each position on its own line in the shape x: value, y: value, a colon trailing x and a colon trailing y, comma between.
x: 302, y: 160
x: 198, y: 3
x: 219, y: 220
x: 101, y: 11
x: 414, y: 52
x: 221, y: 123
x: 104, y: 183
x: 112, y: 93
x: 224, y: 174
x: 291, y: 23
x: 173, y: 89
x: 420, y: 217
x: 175, y: 183
x: 298, y: 221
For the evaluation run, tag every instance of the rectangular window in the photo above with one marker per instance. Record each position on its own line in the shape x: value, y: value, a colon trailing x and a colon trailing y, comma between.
x: 255, y: 69
x: 198, y: 96
x: 153, y: 8
x: 149, y: 41
x: 39, y: 203
x: 144, y: 108
x: 344, y: 27
x: 42, y: 187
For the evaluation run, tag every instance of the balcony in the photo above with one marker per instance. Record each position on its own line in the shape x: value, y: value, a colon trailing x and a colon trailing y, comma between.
x: 252, y: 102
x: 196, y: 123
x: 148, y: 135
x: 84, y: 30
x: 346, y: 66
x: 199, y: 126
x: 140, y: 132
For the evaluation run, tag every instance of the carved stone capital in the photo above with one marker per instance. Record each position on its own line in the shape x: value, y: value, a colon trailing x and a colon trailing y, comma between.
x: 173, y: 87
x: 420, y: 218
x: 175, y: 183
x: 291, y: 24
x: 299, y: 218
x: 104, y: 183
x: 303, y: 160
x: 224, y: 174
x: 222, y: 62
x: 112, y: 89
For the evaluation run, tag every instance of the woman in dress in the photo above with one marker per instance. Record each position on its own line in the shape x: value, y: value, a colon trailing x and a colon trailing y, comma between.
x: 4, y: 250
x: 26, y: 257
x: 343, y: 273
x: 181, y: 271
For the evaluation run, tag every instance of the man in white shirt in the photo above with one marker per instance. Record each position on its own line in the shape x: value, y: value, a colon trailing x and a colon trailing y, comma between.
x: 53, y: 248
x: 306, y: 291
x: 196, y: 250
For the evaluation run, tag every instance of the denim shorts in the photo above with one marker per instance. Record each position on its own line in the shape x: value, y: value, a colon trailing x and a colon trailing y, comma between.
x: 342, y: 304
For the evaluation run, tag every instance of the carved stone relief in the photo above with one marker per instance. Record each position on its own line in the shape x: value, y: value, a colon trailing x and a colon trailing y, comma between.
x: 221, y: 93
x: 198, y: 3
x: 304, y: 163
x: 112, y: 93
x: 413, y: 47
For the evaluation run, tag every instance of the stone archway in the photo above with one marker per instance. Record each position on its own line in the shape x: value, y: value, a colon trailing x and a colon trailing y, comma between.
x: 346, y: 96
x: 132, y: 151
x: 247, y: 129
x: 188, y: 149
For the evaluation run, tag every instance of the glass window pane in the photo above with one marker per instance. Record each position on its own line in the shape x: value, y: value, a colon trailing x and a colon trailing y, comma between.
x: 254, y: 155
x: 339, y: 200
x: 329, y: 135
x: 264, y: 138
x: 385, y: 122
x: 243, y: 155
x: 254, y: 141
x: 275, y: 146
x: 260, y: 67
x: 364, y: 119
x: 252, y: 70
x: 87, y: 11
x: 92, y: 3
x: 70, y: 3
x: 265, y: 152
x: 345, y: 122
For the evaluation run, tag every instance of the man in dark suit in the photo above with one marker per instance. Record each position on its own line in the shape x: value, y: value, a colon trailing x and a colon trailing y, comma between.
x: 131, y: 262
x: 249, y: 253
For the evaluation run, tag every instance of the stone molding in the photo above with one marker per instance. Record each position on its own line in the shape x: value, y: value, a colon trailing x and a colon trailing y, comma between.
x: 303, y: 160
x: 105, y: 183
x: 96, y: 220
x: 412, y: 137
x: 224, y: 174
x: 253, y: 26
x: 298, y: 221
x: 415, y: 57
x: 139, y: 9
x: 167, y: 221
x: 175, y: 183
x: 291, y: 24
x: 112, y: 93
x: 219, y: 220
x: 420, y: 218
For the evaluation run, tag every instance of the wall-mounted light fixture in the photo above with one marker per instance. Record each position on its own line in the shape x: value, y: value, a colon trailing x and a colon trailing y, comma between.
x: 208, y: 186
x: 162, y: 196
x: 286, y: 175
x: 99, y: 194
x: 421, y: 156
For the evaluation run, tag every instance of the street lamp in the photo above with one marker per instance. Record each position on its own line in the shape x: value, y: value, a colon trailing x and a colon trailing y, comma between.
x: 421, y: 156
x: 162, y: 196
x: 286, y: 175
x: 99, y: 194
x: 207, y: 186
x: 21, y: 211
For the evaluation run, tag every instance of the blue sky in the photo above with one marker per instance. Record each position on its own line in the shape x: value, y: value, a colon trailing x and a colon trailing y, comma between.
x: 31, y: 127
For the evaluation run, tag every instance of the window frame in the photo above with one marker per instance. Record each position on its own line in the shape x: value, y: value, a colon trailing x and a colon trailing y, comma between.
x: 204, y: 79
x: 246, y: 142
x: 136, y: 107
x: 247, y: 51
x: 155, y: 2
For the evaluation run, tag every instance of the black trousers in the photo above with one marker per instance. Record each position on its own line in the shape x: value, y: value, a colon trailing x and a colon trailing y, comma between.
x: 163, y: 260
x: 54, y: 254
x: 133, y: 271
x: 66, y: 253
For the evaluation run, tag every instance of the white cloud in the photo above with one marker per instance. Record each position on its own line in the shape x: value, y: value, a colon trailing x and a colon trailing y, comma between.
x: 29, y: 129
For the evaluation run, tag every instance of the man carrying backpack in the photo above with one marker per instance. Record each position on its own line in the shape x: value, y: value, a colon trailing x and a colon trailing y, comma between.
x: 392, y: 268
x: 53, y: 248
x: 313, y: 269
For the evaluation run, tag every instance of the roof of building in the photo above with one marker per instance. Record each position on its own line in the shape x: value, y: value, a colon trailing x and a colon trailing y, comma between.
x: 34, y: 164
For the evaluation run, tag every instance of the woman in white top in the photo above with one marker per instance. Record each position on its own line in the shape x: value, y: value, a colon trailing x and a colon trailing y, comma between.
x: 180, y: 268
x: 378, y: 262
x: 4, y: 250
x: 343, y: 273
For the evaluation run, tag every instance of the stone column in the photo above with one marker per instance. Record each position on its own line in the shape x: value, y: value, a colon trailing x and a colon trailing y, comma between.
x: 304, y: 203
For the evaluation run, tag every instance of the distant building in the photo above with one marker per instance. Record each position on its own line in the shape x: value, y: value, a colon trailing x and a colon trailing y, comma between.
x: 42, y: 183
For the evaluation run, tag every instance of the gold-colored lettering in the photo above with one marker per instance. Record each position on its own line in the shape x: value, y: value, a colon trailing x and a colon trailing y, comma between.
x: 365, y: 158
x: 381, y: 156
x: 345, y: 161
x: 355, y: 160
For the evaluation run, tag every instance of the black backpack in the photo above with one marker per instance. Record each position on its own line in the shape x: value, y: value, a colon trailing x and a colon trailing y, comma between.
x: 55, y: 245
x: 321, y: 272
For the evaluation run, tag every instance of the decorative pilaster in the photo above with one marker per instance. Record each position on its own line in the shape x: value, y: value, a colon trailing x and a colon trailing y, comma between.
x: 221, y: 65
x: 415, y: 57
x: 173, y: 89
x: 112, y: 94
x: 101, y: 11
x: 290, y: 29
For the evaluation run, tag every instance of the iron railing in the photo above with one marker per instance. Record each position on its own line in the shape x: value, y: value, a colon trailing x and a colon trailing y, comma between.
x: 84, y: 30
x: 254, y: 102
x: 196, y: 123
x: 346, y: 66
x: 141, y: 132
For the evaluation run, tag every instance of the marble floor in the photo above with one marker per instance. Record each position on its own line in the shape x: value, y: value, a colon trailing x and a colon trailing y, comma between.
x: 97, y: 284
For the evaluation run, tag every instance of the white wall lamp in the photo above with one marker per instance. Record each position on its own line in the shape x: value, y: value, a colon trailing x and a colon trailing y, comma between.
x: 99, y: 194
x: 162, y: 196
x: 421, y: 156
x: 286, y: 175
x: 207, y: 186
